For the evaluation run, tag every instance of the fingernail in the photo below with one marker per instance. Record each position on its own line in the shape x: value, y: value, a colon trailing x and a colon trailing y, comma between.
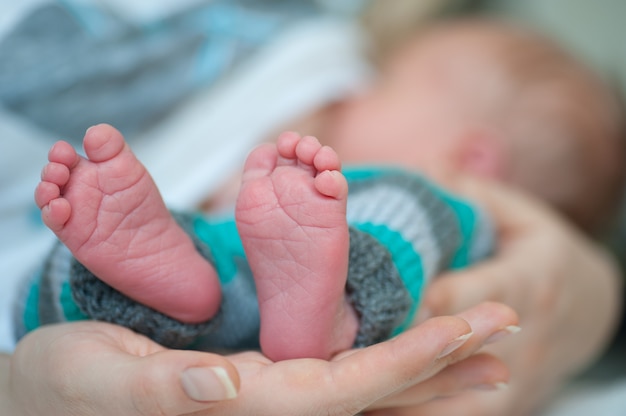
x: 499, y: 386
x: 504, y: 332
x: 454, y: 345
x: 208, y: 384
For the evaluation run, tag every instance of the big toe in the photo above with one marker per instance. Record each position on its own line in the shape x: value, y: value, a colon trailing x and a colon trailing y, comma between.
x: 103, y: 142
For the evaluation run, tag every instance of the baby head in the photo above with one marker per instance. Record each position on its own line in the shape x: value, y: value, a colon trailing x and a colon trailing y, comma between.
x: 494, y: 100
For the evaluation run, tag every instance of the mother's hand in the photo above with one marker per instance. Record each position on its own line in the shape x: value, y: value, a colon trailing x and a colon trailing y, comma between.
x: 356, y: 379
x: 93, y: 368
x: 565, y: 288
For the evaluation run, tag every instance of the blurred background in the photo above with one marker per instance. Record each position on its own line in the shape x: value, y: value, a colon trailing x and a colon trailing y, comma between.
x: 195, y: 84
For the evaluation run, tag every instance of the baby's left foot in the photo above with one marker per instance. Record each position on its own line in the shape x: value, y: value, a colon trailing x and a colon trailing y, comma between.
x: 291, y: 215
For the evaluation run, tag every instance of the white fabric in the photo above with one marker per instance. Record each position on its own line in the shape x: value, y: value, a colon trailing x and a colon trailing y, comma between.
x: 191, y: 153
x: 143, y: 11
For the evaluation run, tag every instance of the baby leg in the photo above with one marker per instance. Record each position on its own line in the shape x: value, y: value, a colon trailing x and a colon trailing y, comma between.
x: 291, y: 216
x: 108, y: 211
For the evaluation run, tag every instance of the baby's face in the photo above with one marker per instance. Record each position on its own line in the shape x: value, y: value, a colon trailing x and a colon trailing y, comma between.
x: 426, y: 100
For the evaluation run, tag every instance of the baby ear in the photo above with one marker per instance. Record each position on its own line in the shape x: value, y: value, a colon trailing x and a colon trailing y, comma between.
x: 482, y: 153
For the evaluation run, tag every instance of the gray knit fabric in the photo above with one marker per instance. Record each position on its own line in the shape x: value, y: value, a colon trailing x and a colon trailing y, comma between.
x: 374, y: 288
x: 101, y: 302
x: 237, y: 330
x: 408, y: 204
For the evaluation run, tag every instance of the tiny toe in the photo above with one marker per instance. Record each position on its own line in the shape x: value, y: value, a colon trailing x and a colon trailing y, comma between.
x: 63, y: 153
x: 57, y: 173
x: 326, y: 159
x: 307, y: 148
x: 332, y: 183
x: 56, y: 213
x: 260, y: 162
x: 286, y: 144
x: 102, y: 143
x: 46, y: 192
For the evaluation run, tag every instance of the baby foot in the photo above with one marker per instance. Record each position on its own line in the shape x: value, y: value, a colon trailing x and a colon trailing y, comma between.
x: 291, y: 215
x: 108, y: 211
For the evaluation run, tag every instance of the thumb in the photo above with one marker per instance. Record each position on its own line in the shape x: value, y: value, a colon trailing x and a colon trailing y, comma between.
x: 456, y: 291
x: 172, y: 382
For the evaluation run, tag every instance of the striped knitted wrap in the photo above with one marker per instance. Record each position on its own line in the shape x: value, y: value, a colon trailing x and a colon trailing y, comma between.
x: 403, y: 232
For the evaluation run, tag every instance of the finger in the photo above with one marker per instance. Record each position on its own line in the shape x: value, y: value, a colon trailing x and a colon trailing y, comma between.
x: 389, y: 366
x: 179, y: 382
x: 424, y: 350
x: 457, y: 291
x: 463, y: 404
x: 351, y: 381
x: 467, y: 403
x: 479, y: 372
x: 490, y: 322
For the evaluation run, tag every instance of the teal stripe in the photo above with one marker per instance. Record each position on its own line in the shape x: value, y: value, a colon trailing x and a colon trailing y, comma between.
x: 407, y: 262
x: 31, y: 310
x: 465, y: 212
x: 362, y: 173
x: 223, y: 239
x: 367, y: 172
x: 70, y: 310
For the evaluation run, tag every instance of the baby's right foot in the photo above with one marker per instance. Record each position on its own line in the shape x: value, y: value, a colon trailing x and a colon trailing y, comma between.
x: 291, y: 215
x: 108, y: 211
